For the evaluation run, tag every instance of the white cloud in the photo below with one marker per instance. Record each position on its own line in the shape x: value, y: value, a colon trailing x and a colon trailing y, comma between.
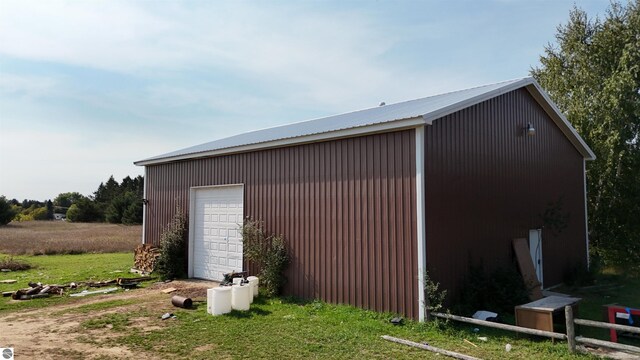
x: 330, y: 58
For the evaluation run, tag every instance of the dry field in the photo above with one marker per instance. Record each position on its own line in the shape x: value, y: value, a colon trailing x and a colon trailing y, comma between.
x: 61, y: 237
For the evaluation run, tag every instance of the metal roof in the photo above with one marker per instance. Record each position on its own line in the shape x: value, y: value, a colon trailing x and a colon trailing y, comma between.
x: 386, y: 117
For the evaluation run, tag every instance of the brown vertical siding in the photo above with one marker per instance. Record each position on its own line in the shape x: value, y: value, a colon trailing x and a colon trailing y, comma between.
x: 346, y: 208
x: 487, y: 183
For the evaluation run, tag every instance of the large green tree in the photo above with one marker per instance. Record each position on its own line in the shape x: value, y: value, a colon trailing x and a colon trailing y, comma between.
x: 593, y: 73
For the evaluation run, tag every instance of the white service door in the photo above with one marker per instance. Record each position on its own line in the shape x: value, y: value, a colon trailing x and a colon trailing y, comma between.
x: 217, y: 240
x: 535, y: 249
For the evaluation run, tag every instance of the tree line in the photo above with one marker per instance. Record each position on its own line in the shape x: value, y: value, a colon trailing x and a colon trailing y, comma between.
x: 113, y: 202
x: 592, y: 73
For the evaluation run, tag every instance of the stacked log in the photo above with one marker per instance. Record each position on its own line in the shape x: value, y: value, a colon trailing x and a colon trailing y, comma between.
x: 146, y: 256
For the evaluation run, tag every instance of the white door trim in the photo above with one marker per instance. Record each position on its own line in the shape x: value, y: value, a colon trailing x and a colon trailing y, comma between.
x: 535, y: 250
x: 192, y: 206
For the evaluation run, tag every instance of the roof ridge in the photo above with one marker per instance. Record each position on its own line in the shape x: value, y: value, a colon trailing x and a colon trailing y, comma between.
x: 392, y: 104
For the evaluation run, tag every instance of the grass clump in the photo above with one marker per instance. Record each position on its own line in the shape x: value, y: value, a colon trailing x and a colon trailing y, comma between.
x: 8, y: 262
x: 269, y: 253
x: 171, y: 263
x: 116, y: 322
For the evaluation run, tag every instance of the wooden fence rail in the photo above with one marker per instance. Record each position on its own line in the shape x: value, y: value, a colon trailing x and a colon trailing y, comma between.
x: 572, y: 339
x: 570, y: 336
x: 598, y: 324
x: 519, y: 329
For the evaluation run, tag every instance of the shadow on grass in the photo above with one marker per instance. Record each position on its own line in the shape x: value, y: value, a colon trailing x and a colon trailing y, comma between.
x: 249, y: 313
x: 295, y: 300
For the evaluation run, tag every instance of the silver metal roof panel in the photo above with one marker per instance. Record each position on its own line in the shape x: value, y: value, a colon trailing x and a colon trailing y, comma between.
x: 426, y: 109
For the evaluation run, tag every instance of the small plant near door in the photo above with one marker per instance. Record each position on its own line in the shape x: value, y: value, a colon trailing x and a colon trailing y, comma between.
x: 554, y: 218
x: 435, y: 296
x: 171, y: 263
x: 269, y: 253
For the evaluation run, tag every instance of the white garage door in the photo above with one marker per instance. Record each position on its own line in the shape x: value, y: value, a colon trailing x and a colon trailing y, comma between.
x: 217, y: 240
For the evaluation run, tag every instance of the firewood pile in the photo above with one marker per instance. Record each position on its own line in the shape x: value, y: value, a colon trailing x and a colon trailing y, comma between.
x: 146, y: 256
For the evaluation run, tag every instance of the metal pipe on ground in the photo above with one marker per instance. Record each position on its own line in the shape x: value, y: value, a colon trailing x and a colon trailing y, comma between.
x: 182, y: 302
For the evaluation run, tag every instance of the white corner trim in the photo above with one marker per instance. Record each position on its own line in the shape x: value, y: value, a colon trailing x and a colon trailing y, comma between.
x: 192, y: 206
x: 586, y: 209
x: 420, y: 221
x: 144, y: 207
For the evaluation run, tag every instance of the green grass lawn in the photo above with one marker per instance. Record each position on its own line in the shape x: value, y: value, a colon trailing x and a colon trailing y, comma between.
x: 285, y: 328
x: 62, y: 269
x: 280, y: 327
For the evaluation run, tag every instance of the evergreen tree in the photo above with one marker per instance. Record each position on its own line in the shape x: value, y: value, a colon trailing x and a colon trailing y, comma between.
x: 6, y: 211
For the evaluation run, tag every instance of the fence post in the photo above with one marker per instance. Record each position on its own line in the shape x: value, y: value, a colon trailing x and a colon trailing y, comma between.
x: 571, y: 331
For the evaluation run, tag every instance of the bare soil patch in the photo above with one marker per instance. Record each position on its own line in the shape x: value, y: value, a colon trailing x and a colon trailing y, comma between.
x: 57, y: 330
x: 62, y: 237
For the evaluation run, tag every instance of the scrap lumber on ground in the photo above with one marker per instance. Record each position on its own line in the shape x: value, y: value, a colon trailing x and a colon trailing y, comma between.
x: 429, y: 348
x: 38, y: 290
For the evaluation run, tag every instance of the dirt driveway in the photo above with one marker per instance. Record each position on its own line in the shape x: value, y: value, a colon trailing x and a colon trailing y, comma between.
x: 56, y: 331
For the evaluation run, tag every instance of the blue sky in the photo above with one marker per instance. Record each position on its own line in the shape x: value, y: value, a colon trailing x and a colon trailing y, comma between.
x: 88, y: 87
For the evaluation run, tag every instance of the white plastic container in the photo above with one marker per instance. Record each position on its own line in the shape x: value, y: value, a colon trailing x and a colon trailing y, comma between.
x: 240, y: 296
x: 209, y: 300
x: 220, y: 302
x: 253, y: 283
x: 237, y: 281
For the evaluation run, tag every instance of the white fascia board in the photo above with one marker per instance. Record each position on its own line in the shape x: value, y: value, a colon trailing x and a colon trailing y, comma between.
x: 299, y: 140
x: 430, y: 117
x: 556, y: 115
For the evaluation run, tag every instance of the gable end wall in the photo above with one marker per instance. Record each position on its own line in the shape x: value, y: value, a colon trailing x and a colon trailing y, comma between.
x: 487, y: 183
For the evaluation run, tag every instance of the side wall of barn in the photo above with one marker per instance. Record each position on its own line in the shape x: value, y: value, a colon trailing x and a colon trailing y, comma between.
x: 487, y: 182
x: 346, y: 207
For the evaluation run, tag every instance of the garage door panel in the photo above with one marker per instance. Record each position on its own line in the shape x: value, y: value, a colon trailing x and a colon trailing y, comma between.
x: 218, y: 214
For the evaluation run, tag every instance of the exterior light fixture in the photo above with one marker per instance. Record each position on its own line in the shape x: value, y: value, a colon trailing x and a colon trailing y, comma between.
x: 530, y: 130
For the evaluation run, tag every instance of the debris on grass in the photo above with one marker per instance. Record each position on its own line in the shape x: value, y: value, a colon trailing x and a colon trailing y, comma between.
x: 470, y: 343
x: 429, y: 348
x: 168, y: 290
x: 396, y: 321
x: 168, y: 316
x: 38, y: 290
x: 485, y: 315
x: 85, y: 292
x: 8, y: 281
x: 181, y: 301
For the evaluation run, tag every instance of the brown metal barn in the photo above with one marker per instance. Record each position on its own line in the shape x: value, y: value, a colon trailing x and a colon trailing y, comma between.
x: 369, y: 199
